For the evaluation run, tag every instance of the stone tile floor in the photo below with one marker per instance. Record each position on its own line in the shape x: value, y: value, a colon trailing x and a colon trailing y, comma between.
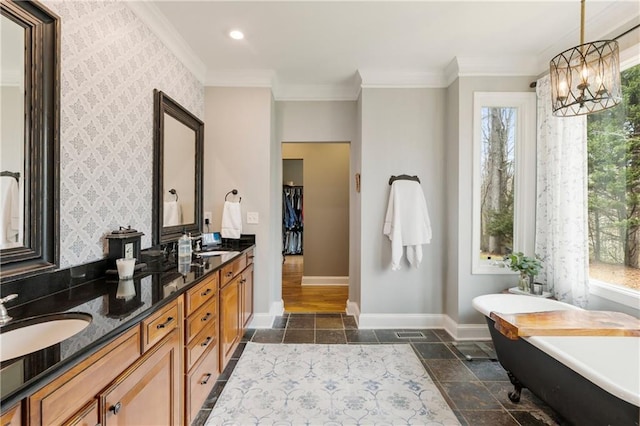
x: 476, y: 389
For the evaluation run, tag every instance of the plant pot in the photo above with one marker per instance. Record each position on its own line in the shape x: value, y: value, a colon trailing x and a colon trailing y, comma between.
x: 524, y: 283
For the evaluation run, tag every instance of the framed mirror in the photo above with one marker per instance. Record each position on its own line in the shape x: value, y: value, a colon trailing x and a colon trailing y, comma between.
x: 177, y: 170
x: 29, y: 140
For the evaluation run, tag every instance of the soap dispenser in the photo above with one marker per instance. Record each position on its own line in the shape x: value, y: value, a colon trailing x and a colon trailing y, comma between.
x: 184, y: 248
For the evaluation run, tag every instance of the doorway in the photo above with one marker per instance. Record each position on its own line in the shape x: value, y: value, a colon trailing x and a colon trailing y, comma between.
x: 315, y: 226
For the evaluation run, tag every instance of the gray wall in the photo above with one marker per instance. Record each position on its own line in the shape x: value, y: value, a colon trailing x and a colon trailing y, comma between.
x: 402, y: 132
x: 460, y: 161
x: 239, y: 156
x: 326, y: 206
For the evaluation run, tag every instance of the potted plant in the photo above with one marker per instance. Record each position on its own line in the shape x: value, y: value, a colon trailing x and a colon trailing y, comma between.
x: 528, y: 267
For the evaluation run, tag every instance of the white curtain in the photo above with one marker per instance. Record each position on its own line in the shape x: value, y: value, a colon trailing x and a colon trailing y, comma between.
x: 561, y: 210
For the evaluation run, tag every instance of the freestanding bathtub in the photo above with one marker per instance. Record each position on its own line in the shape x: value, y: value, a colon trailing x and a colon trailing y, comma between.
x: 587, y: 380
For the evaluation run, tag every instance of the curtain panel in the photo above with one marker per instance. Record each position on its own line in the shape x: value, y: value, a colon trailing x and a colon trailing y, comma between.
x: 561, y: 203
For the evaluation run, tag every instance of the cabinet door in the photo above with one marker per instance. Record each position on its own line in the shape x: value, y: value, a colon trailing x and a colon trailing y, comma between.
x: 247, y: 295
x: 147, y: 393
x: 229, y: 320
x: 12, y: 416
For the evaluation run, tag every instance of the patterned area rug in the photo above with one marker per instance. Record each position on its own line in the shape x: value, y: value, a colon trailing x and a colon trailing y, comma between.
x: 287, y: 384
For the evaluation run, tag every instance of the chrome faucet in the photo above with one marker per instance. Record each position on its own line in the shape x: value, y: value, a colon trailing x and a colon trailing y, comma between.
x: 4, y: 316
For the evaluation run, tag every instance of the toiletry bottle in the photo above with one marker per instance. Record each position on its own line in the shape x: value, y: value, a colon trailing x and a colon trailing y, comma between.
x: 184, y: 249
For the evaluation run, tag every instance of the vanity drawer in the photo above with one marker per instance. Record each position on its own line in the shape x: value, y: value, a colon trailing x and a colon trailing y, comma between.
x: 232, y: 269
x: 202, y: 318
x: 200, y: 382
x: 204, y: 341
x: 160, y: 324
x: 249, y: 255
x: 202, y: 292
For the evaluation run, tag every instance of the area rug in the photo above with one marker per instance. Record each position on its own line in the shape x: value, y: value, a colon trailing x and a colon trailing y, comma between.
x: 287, y: 384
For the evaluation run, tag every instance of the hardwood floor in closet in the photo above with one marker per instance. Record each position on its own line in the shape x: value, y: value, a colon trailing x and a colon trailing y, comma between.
x: 309, y: 298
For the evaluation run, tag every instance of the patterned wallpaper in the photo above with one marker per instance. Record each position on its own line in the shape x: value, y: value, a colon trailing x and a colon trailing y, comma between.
x: 111, y: 62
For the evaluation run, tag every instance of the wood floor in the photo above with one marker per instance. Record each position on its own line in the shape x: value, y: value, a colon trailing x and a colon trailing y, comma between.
x: 309, y: 298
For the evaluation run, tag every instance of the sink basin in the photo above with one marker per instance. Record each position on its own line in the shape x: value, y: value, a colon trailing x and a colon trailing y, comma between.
x: 29, y: 335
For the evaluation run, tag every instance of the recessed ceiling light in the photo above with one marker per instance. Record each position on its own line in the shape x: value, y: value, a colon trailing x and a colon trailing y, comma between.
x: 236, y: 35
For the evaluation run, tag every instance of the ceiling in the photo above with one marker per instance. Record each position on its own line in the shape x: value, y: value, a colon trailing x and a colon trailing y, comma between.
x: 328, y: 49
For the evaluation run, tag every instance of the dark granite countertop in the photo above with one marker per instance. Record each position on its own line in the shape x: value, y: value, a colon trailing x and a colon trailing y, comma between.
x: 115, y: 306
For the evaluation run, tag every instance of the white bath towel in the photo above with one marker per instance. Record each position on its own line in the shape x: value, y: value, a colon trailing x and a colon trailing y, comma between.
x: 407, y: 222
x: 9, y: 210
x: 172, y: 213
x: 231, y: 220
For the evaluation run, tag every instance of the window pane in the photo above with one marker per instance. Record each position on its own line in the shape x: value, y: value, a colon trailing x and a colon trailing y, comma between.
x: 614, y: 188
x: 497, y: 168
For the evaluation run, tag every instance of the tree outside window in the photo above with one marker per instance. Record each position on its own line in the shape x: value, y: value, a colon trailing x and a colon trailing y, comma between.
x: 614, y: 188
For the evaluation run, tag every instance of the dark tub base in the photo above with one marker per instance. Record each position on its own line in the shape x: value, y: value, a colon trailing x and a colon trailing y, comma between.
x: 576, y: 399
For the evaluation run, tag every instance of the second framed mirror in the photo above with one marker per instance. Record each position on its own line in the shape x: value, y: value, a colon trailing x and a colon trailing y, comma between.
x: 177, y: 170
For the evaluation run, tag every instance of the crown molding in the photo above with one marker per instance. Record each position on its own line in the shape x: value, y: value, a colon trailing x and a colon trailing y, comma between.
x: 148, y: 13
x: 241, y: 78
x: 370, y: 78
x: 512, y: 66
x: 317, y: 92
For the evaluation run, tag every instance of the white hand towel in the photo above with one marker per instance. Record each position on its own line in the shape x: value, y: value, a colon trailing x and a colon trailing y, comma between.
x: 9, y: 210
x: 407, y: 222
x: 172, y: 213
x: 231, y: 220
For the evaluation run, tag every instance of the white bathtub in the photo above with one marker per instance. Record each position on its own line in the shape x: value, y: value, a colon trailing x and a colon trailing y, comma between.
x: 609, y: 365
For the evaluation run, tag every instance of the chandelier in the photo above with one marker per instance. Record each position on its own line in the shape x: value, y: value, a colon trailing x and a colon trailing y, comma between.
x: 585, y: 78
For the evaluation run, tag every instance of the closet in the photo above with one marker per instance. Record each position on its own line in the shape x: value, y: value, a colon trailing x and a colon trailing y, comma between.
x: 292, y: 219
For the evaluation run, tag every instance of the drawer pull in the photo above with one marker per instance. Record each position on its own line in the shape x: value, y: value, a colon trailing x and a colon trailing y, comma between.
x: 204, y: 293
x: 242, y: 281
x: 164, y: 324
x: 116, y: 408
x: 206, y: 317
x: 206, y: 379
x: 229, y: 274
x: 206, y: 341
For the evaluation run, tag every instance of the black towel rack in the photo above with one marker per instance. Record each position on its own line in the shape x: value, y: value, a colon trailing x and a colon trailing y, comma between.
x: 403, y: 177
x: 234, y: 192
x: 174, y: 192
x: 15, y: 175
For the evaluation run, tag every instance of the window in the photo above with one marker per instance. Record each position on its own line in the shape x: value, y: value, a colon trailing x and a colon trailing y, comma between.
x: 614, y: 190
x: 503, y: 178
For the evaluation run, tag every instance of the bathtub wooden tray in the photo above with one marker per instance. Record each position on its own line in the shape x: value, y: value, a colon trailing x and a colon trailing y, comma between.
x: 566, y: 323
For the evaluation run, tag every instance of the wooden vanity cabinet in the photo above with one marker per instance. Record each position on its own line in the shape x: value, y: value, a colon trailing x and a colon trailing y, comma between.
x: 118, y: 373
x: 200, y: 344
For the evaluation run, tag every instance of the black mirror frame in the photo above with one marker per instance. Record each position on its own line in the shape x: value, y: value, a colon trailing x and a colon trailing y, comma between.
x: 40, y: 252
x: 164, y: 104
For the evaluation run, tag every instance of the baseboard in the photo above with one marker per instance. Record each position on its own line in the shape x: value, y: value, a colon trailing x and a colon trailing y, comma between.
x: 329, y: 281
x: 354, y: 310
x: 367, y: 321
x: 265, y: 320
x: 466, y: 331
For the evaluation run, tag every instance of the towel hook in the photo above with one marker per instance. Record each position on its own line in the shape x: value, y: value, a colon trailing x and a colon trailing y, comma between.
x: 174, y: 192
x: 234, y: 192
x: 403, y: 177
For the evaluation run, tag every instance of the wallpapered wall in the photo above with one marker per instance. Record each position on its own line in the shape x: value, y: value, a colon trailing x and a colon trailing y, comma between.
x: 111, y: 62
